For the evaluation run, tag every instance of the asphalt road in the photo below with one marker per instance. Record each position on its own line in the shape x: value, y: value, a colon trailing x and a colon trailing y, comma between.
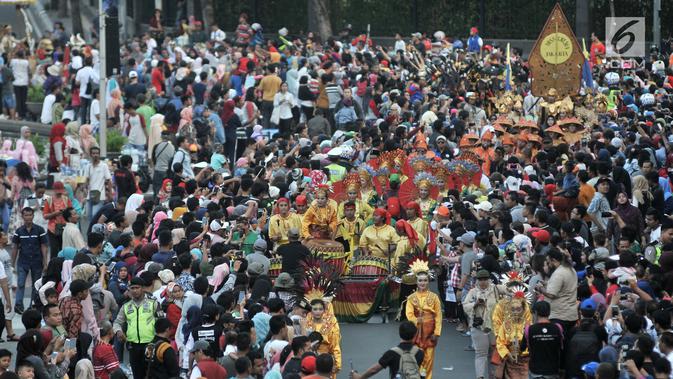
x: 9, y: 15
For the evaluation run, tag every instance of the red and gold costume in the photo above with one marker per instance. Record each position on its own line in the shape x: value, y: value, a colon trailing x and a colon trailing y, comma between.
x: 425, y: 311
x: 320, y: 222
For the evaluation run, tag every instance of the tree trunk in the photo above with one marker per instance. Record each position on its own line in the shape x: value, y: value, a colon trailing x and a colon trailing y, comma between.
x: 76, y: 17
x: 208, y: 13
x: 62, y: 8
x: 319, y: 18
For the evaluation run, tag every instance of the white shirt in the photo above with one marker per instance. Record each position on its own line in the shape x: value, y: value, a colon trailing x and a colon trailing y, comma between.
x: 136, y: 133
x: 47, y: 109
x: 20, y: 70
x: 400, y: 45
x: 655, y: 234
x: 218, y: 35
x: 284, y: 104
x: 94, y: 114
x: 82, y: 77
x: 72, y: 237
x: 97, y: 175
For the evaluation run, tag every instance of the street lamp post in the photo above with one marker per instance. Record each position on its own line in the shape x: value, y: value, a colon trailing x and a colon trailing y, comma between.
x: 103, y: 80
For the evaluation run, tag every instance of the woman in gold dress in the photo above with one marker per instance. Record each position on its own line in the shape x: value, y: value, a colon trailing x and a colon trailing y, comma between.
x: 320, y: 220
x: 281, y: 222
x: 321, y: 319
x: 424, y: 309
x: 510, y: 318
x: 424, y: 182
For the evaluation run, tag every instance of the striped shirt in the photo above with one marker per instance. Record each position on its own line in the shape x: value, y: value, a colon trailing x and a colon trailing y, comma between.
x: 105, y: 360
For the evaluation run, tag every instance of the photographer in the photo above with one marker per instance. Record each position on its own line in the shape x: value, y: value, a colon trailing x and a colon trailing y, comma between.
x: 478, y: 305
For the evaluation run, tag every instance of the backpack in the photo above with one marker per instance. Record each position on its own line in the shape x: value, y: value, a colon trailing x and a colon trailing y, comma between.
x: 155, y: 353
x: 583, y: 348
x: 408, y: 368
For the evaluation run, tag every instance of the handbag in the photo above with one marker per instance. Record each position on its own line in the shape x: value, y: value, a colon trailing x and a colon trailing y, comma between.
x: 275, y: 116
x: 94, y: 196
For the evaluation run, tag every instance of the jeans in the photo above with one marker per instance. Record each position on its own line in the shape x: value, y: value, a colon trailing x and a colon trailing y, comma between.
x: 22, y: 269
x: 92, y: 209
x: 5, y: 217
x: 84, y: 110
x: 157, y: 181
x: 481, y: 342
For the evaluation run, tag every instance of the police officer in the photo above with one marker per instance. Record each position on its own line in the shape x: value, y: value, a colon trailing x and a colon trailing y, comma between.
x: 139, y: 315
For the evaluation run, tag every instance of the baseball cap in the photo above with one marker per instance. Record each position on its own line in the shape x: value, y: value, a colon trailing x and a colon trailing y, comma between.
x: 485, y: 206
x: 589, y: 305
x: 255, y: 268
x: 541, y: 235
x: 133, y: 74
x: 590, y: 368
x: 483, y: 274
x: 201, y: 345
x: 137, y: 281
x: 308, y: 365
x: 260, y: 245
x: 215, y: 226
x: 467, y: 238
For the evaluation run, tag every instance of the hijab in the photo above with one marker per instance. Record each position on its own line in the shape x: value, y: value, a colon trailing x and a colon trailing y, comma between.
x: 57, y: 133
x: 68, y: 253
x: 84, y: 369
x: 228, y: 111
x: 75, y: 203
x: 87, y: 140
x: 627, y: 212
x: 158, y: 217
x: 219, y: 273
x: 408, y: 230
x: 194, y: 320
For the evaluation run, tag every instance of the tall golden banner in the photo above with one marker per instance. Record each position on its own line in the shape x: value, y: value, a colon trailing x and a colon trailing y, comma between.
x: 556, y: 59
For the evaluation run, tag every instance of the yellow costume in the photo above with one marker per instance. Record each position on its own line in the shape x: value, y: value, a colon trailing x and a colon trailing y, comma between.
x: 378, y: 239
x: 321, y: 216
x: 362, y: 210
x: 424, y: 310
x: 279, y: 226
x: 427, y: 207
x: 404, y: 247
x: 328, y: 327
x: 350, y: 231
x: 421, y: 227
x: 509, y: 328
x: 368, y: 195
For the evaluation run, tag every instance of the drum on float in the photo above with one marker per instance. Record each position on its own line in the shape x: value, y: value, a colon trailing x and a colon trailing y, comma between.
x: 331, y: 251
x: 369, y: 266
x: 275, y: 267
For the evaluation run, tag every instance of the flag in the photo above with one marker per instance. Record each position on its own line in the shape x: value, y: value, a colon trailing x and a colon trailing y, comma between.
x: 508, y: 72
x: 586, y: 67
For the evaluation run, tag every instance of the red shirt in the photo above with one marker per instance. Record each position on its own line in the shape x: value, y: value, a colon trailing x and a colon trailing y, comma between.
x: 158, y: 79
x: 105, y: 360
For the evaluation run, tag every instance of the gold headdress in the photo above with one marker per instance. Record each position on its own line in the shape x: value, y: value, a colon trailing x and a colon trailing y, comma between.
x: 516, y: 283
x: 352, y: 182
x: 321, y: 280
x: 425, y: 180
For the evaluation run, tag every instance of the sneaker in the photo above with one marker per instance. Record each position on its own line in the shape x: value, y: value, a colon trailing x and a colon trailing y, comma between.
x: 18, y: 309
x: 460, y: 328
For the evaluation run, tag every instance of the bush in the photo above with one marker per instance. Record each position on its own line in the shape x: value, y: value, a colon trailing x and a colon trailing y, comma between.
x: 40, y: 144
x: 35, y: 94
x: 115, y: 140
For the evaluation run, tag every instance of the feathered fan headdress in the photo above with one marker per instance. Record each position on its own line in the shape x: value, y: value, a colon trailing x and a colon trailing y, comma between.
x: 321, y: 280
x: 414, y: 263
x: 516, y: 283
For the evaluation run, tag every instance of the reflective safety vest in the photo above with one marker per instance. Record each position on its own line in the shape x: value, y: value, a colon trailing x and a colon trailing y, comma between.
x: 140, y: 320
x: 336, y: 172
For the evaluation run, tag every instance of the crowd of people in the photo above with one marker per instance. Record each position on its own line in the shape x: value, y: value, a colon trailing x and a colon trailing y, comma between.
x: 260, y: 168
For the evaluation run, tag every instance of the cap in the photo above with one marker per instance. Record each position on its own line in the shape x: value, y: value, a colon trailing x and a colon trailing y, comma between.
x: 137, y: 281
x: 590, y: 368
x: 255, y: 268
x: 440, y: 137
x: 201, y: 345
x: 293, y: 233
x: 589, y: 305
x: 260, y: 245
x: 467, y: 238
x: 541, y: 235
x: 78, y: 285
x: 166, y: 276
x: 308, y: 365
x: 485, y: 206
x: 209, y: 311
x: 133, y: 74
x: 443, y: 211
x: 483, y: 274
x: 58, y: 187
x: 284, y: 280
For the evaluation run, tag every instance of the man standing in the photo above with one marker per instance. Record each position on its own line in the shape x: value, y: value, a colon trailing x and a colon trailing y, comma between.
x: 162, y: 158
x: 164, y: 361
x: 72, y: 237
x: 474, y: 42
x: 182, y: 156
x: 599, y: 206
x: 98, y: 180
x: 138, y: 317
x: 135, y: 127
x: 31, y: 246
x: 544, y: 341
x: 71, y: 307
x: 293, y: 253
x: 86, y: 79
x: 379, y: 239
x: 467, y: 258
x: 269, y: 85
x: 392, y: 359
x: 125, y: 181
x: 561, y: 290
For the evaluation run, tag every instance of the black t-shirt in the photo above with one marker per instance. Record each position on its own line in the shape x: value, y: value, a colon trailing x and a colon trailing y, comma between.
x: 212, y: 334
x: 125, y: 181
x: 391, y: 359
x: 544, y: 344
x: 108, y: 210
x: 293, y: 254
x: 132, y: 90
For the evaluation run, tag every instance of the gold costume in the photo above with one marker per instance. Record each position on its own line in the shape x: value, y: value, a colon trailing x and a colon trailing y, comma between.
x: 427, y: 206
x: 424, y: 310
x: 378, y: 240
x: 404, y: 247
x: 421, y: 226
x: 509, y: 328
x: 279, y: 226
x: 362, y: 210
x: 328, y: 327
x: 350, y: 231
x: 321, y: 216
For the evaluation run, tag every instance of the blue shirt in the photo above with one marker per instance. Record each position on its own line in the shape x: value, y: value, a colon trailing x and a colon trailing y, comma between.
x: 30, y: 243
x: 163, y: 256
x: 219, y: 127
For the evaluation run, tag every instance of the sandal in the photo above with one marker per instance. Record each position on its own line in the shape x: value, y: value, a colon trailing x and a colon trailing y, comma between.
x: 12, y: 338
